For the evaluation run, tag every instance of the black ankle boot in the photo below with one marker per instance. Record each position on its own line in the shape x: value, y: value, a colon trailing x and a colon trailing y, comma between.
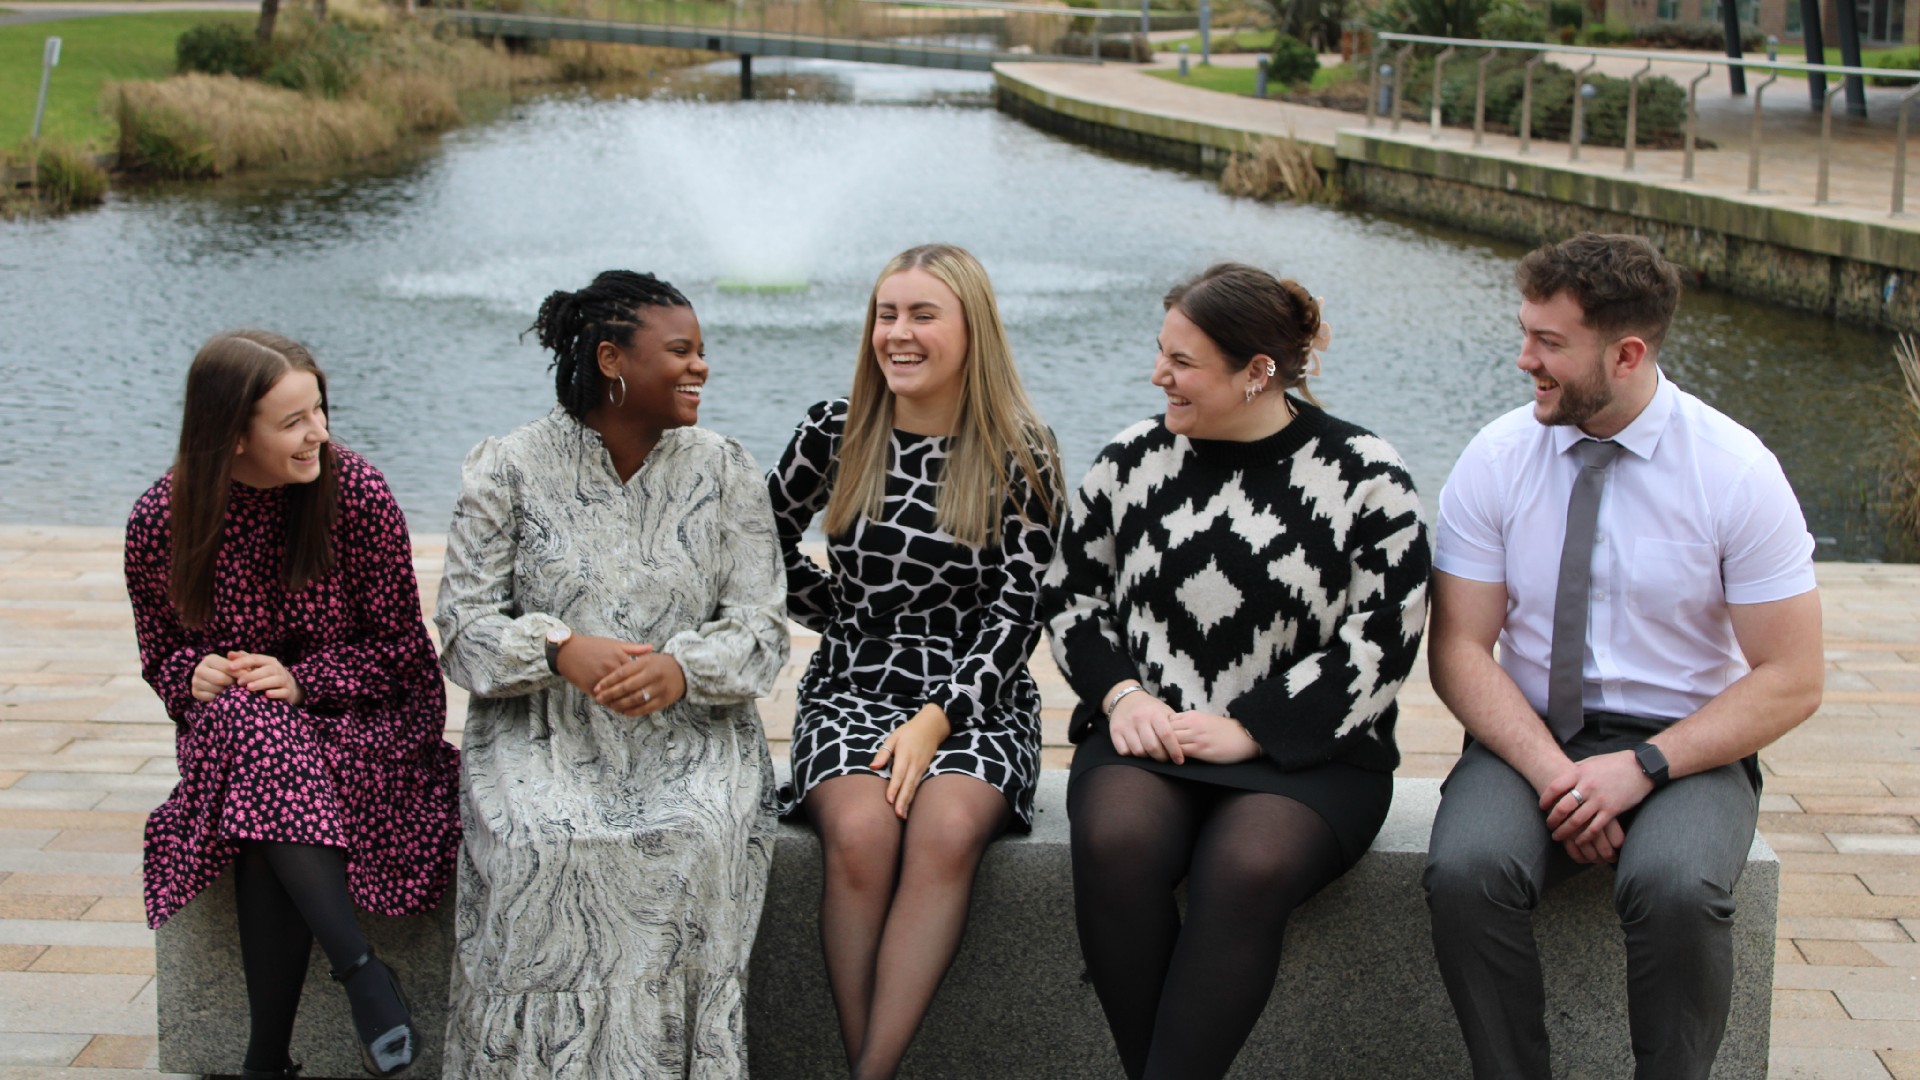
x: 391, y: 1050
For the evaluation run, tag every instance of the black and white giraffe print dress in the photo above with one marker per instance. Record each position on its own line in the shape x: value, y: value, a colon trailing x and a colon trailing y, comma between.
x: 1281, y: 582
x: 907, y: 616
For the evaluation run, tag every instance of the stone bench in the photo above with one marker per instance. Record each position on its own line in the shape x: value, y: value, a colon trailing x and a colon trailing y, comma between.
x: 1358, y: 994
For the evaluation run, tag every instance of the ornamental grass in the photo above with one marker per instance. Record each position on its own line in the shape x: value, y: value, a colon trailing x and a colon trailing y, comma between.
x: 1906, y: 470
x: 1276, y: 168
x: 210, y: 125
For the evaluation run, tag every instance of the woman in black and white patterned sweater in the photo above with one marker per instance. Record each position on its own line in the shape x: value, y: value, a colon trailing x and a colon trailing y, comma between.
x: 1239, y: 594
x: 941, y: 492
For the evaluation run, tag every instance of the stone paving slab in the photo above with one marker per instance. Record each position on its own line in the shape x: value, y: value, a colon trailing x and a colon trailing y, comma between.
x: 81, y: 762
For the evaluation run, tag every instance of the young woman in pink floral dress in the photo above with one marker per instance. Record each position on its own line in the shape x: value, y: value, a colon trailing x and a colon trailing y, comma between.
x: 279, y: 621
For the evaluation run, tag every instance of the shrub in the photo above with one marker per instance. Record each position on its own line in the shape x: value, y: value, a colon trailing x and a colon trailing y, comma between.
x: 217, y: 49
x: 1566, y: 13
x: 69, y: 177
x: 1608, y: 33
x: 1662, y: 110
x: 1294, y: 61
x: 1704, y: 34
x: 1513, y: 20
x: 1907, y: 59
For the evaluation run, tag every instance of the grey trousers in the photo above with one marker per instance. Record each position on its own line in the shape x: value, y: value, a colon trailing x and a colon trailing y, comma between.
x: 1491, y: 857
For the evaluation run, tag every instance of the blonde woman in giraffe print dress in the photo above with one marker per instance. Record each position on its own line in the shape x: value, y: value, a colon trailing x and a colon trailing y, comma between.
x: 917, y: 739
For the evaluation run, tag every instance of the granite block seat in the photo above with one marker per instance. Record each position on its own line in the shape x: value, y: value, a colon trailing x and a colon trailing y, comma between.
x: 1358, y: 994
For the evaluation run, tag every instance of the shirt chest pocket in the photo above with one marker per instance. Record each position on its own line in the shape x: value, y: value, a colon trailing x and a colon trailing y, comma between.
x: 1671, y: 578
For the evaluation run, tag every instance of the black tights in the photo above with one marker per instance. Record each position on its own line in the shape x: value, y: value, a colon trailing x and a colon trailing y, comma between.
x: 1182, y: 999
x: 287, y: 895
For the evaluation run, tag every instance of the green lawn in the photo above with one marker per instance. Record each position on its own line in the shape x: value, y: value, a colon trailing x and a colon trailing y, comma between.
x: 93, y: 52
x: 1231, y: 80
x: 1223, y: 41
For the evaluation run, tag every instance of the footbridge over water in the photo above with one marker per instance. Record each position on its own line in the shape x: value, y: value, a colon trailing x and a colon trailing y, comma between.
x: 968, y: 35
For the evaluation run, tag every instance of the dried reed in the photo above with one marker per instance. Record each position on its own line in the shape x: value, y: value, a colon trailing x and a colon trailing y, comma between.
x: 1276, y: 168
x: 67, y: 176
x: 209, y: 125
x: 1906, y: 468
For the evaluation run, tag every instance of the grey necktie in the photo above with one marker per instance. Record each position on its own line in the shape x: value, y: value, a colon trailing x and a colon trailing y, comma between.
x: 1565, y: 711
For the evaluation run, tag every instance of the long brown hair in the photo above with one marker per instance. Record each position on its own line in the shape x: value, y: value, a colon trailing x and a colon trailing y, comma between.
x: 232, y: 372
x: 996, y: 418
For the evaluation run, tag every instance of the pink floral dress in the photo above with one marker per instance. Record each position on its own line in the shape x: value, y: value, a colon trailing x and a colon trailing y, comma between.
x: 360, y: 763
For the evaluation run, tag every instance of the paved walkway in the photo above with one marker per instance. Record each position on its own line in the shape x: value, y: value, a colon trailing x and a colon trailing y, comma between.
x: 1861, y: 172
x: 85, y: 752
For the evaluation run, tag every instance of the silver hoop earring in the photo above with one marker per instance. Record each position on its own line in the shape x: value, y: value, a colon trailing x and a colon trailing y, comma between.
x: 1272, y: 368
x: 1252, y: 392
x: 622, y: 380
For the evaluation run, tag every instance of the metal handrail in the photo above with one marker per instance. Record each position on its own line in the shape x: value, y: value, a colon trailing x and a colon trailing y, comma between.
x: 1399, y: 83
x: 1633, y: 113
x: 1826, y: 142
x: 1753, y: 143
x: 1693, y: 118
x: 1579, y: 110
x: 1433, y: 112
x: 1576, y: 136
x: 1480, y: 99
x: 1900, y: 155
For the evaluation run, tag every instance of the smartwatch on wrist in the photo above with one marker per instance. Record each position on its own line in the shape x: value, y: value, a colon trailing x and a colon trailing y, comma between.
x: 556, y: 638
x: 1653, y: 763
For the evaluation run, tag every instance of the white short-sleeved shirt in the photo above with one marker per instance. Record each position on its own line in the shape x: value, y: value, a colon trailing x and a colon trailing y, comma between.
x: 1696, y: 515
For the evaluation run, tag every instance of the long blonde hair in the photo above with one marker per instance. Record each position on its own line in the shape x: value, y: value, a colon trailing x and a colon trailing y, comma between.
x: 996, y: 419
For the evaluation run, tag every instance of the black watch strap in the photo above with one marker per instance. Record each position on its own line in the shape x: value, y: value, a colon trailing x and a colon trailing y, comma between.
x: 1653, y: 763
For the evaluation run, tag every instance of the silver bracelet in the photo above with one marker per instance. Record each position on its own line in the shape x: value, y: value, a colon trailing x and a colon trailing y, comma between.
x: 1114, y: 701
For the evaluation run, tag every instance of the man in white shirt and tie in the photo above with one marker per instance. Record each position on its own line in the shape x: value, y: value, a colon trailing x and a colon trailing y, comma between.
x: 1645, y: 570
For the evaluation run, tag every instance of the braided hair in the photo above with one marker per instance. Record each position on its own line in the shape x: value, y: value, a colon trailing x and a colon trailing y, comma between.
x: 571, y: 325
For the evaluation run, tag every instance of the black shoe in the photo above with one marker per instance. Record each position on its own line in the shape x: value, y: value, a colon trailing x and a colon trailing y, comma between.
x: 287, y: 1073
x: 393, y: 1049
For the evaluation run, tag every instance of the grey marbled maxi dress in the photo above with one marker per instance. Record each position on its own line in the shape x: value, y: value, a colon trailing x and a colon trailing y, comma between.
x: 612, y: 869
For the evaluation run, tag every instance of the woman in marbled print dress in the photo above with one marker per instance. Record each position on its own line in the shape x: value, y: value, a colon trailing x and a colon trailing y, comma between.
x: 279, y: 621
x: 613, y: 600
x: 941, y: 489
x: 1239, y: 595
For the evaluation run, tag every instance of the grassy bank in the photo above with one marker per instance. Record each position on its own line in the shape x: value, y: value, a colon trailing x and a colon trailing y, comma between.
x: 1239, y: 80
x: 333, y: 92
x: 94, y: 52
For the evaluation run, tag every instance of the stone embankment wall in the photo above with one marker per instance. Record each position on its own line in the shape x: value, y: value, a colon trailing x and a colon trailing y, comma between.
x: 1863, y: 272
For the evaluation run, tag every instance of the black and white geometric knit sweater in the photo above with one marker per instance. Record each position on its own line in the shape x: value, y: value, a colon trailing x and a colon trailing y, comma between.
x: 1280, y: 582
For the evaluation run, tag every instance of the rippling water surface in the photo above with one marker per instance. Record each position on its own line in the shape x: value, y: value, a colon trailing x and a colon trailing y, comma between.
x: 412, y: 282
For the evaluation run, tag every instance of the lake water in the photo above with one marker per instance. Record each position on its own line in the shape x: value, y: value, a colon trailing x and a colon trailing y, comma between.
x: 412, y: 281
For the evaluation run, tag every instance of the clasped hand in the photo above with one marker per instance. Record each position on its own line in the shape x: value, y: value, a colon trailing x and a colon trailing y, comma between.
x: 257, y: 672
x: 1589, y: 826
x: 629, y: 678
x: 1144, y: 726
